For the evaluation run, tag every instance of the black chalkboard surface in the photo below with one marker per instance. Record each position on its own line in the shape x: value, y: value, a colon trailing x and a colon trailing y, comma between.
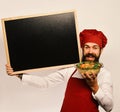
x: 35, y: 42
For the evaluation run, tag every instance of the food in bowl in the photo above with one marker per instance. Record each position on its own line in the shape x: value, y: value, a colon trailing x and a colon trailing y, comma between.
x: 89, y: 67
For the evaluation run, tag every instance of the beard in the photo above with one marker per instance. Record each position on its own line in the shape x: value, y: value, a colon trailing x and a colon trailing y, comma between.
x: 96, y: 58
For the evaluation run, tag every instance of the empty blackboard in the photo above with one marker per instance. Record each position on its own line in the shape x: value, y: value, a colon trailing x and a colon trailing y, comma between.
x: 40, y: 41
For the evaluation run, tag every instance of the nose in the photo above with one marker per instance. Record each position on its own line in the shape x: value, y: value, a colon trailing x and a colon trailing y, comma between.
x: 90, y: 50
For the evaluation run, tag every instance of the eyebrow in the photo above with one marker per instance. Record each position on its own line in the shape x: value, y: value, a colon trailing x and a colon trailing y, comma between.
x: 91, y: 46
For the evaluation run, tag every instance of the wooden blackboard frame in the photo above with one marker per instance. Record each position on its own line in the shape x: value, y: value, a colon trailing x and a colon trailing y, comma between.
x: 9, y: 40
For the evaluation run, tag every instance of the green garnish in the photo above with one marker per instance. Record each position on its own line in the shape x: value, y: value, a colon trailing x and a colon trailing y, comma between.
x: 89, y: 65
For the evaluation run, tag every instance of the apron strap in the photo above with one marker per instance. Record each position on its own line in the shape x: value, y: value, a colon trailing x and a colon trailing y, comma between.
x: 73, y: 72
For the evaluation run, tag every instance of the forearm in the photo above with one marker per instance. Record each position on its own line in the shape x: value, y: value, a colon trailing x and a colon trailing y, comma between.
x: 42, y: 82
x: 104, y: 99
x: 50, y: 80
x: 95, y: 88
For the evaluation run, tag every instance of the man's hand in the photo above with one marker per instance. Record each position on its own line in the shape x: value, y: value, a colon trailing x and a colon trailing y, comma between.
x: 91, y: 80
x: 9, y: 70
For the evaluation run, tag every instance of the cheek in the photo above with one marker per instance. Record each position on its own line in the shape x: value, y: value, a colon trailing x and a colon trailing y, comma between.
x: 97, y: 53
x: 85, y: 52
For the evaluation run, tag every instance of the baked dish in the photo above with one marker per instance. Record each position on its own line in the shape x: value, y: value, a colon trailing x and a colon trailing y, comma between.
x: 89, y: 67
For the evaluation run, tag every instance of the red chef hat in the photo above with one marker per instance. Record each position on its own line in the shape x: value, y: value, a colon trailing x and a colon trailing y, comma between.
x: 92, y: 35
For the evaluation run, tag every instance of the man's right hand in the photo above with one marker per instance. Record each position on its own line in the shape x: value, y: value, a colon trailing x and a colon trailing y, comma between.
x: 9, y: 70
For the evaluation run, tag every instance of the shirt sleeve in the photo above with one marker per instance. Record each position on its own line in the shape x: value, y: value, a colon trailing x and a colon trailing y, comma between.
x: 50, y: 80
x: 104, y: 95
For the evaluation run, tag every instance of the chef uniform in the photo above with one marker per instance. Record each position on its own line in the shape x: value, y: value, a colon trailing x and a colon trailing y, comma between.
x: 78, y: 95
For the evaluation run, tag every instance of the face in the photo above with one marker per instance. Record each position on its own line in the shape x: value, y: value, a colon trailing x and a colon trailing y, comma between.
x: 91, y: 52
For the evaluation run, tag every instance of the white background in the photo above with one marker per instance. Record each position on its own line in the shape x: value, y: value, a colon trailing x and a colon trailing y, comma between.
x: 96, y: 14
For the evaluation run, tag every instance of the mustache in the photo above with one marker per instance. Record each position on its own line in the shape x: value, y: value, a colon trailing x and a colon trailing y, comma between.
x: 90, y: 55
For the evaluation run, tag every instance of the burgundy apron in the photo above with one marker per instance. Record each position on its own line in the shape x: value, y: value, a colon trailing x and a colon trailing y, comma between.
x: 78, y: 97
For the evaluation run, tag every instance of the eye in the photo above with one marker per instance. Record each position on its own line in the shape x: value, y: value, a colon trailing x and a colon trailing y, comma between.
x: 96, y: 47
x: 86, y: 47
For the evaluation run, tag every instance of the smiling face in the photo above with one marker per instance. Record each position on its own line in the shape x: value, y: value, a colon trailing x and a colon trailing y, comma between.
x: 91, y: 52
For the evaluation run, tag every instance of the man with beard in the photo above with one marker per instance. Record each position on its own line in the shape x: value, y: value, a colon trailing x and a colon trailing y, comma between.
x: 83, y: 93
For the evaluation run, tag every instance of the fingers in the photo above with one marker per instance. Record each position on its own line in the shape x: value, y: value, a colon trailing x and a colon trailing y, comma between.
x: 89, y: 76
x: 9, y: 69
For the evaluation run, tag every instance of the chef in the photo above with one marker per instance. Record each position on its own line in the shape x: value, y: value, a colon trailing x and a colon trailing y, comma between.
x: 84, y: 92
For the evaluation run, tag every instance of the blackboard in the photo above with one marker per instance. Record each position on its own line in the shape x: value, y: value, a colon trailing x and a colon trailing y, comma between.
x: 40, y: 41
